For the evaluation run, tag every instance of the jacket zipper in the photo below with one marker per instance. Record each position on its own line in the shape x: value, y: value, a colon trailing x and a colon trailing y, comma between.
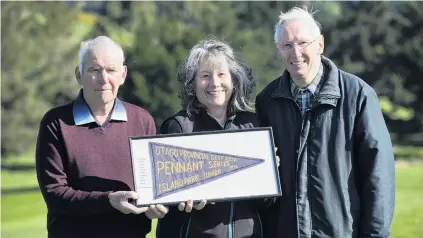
x: 230, y: 228
x: 188, y: 225
x: 311, y: 106
x: 296, y: 159
x: 261, y: 225
x: 231, y: 213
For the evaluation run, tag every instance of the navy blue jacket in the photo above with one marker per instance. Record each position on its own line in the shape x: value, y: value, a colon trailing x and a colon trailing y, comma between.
x: 344, y: 186
x: 220, y: 220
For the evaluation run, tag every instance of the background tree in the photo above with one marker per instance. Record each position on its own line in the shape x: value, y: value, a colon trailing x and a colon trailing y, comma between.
x: 157, y: 36
x: 383, y: 44
x: 39, y: 41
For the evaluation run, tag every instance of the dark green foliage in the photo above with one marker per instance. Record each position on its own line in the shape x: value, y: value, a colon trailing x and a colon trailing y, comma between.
x: 38, y: 53
x: 381, y: 42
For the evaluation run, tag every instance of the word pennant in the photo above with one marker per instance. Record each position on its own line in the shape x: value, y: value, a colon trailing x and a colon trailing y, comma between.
x: 178, y: 168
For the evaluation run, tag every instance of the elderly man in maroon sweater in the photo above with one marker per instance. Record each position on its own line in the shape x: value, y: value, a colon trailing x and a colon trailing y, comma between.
x: 82, y: 157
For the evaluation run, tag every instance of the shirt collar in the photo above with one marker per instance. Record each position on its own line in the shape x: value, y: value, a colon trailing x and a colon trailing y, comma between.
x: 312, y: 87
x: 82, y: 114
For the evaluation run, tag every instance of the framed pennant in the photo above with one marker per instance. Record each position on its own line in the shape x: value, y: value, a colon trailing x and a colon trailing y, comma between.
x: 212, y: 165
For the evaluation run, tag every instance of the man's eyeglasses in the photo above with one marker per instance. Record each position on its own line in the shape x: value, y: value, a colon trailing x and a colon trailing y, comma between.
x: 289, y: 46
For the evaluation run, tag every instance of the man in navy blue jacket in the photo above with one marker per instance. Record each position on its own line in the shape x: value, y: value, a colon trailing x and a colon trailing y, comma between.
x: 336, y: 159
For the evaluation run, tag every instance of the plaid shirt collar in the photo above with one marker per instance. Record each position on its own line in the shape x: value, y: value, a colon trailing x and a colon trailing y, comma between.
x: 313, y: 87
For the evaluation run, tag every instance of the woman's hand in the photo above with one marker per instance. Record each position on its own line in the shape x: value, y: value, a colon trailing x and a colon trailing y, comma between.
x: 190, y: 204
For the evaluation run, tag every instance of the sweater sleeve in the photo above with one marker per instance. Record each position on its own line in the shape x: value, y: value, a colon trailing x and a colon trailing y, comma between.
x: 52, y: 178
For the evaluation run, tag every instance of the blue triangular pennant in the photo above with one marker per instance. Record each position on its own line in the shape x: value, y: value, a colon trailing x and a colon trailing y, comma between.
x: 176, y: 168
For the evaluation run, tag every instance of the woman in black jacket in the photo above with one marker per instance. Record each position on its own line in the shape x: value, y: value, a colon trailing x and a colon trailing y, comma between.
x: 215, y: 89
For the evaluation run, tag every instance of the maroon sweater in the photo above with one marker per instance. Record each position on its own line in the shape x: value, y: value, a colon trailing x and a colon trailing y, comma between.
x: 79, y: 165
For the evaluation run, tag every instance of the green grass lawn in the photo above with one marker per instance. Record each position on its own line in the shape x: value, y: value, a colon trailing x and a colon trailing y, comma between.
x: 19, y: 179
x: 24, y: 215
x: 22, y: 179
x: 408, y: 216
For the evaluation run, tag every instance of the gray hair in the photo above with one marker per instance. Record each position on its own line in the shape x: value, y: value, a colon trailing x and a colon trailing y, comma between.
x: 95, y: 44
x: 296, y: 13
x: 242, y: 78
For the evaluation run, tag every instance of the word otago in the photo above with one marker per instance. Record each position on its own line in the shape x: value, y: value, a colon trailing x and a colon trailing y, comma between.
x: 177, y: 167
x: 187, y: 154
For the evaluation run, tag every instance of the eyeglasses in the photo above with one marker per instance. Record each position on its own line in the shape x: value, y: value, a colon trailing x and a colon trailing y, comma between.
x: 289, y: 46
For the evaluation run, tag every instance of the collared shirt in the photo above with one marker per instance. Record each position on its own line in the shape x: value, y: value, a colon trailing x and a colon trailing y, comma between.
x: 82, y: 113
x: 304, y: 96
